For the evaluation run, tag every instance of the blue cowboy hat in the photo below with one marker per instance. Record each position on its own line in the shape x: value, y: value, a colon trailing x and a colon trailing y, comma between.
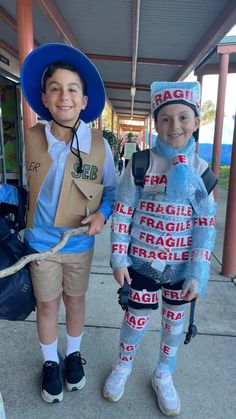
x: 40, y: 58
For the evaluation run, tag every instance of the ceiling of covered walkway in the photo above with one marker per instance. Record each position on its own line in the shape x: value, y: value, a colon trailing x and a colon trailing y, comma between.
x: 131, y: 42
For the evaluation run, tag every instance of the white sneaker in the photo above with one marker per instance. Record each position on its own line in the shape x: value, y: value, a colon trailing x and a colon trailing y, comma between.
x: 167, y: 396
x: 114, y: 386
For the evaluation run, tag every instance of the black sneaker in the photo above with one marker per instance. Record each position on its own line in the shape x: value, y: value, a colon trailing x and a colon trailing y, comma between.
x: 51, y: 388
x: 74, y: 372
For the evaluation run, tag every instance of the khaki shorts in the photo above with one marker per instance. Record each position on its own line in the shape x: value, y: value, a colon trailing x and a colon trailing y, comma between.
x: 67, y: 272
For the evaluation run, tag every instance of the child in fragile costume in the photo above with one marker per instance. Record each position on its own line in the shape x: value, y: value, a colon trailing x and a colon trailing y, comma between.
x: 162, y: 237
x: 72, y: 181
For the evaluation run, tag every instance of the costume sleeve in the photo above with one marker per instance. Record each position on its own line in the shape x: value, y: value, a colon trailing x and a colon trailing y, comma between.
x: 8, y: 194
x: 203, y: 239
x: 109, y: 182
x: 108, y: 201
x: 126, y: 202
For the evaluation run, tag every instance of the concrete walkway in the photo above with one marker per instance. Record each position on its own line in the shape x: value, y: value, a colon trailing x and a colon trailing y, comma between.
x: 205, y: 375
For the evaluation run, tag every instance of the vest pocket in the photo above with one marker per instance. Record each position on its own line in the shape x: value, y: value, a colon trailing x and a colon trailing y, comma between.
x: 84, y: 195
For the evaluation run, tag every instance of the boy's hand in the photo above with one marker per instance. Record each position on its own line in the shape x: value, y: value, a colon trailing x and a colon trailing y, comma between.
x: 190, y: 290
x: 96, y: 223
x: 122, y: 274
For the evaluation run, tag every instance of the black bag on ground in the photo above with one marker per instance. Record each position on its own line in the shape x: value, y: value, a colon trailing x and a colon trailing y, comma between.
x: 16, y: 293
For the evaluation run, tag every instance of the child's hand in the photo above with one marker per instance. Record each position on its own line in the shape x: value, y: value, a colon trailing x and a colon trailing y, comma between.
x: 96, y: 223
x: 122, y: 274
x: 190, y: 290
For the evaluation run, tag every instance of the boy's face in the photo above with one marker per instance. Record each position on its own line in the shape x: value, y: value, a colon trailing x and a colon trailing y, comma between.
x: 176, y: 123
x: 64, y: 96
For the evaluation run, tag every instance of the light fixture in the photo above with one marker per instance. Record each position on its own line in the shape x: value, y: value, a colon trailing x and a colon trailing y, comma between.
x: 133, y: 91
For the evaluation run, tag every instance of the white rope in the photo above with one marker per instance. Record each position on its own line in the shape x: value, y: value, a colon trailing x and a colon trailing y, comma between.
x: 42, y: 255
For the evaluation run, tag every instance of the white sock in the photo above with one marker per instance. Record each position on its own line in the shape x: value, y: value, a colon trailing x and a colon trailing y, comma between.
x: 50, y: 351
x: 73, y: 344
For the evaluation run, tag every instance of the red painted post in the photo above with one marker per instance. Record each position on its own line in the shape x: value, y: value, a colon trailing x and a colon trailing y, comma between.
x: 229, y: 259
x: 100, y: 122
x: 112, y: 120
x: 26, y: 45
x: 118, y: 127
x: 144, y: 141
x: 199, y: 79
x: 150, y: 131
x: 216, y: 153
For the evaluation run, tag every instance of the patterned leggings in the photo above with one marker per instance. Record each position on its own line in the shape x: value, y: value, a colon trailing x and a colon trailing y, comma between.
x: 141, y: 302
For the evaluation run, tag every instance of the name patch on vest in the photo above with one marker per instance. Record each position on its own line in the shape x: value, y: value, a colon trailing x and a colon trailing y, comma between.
x: 32, y: 166
x: 89, y: 172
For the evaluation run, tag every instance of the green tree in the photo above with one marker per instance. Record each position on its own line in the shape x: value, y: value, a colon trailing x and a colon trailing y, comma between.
x: 208, y: 112
x: 114, y: 143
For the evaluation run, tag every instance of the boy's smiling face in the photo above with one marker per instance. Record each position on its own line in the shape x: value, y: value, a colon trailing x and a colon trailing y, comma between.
x: 64, y: 96
x: 176, y: 123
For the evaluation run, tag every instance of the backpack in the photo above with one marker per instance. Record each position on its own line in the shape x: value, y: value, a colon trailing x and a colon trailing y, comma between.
x: 17, y: 299
x: 140, y: 164
x: 17, y: 211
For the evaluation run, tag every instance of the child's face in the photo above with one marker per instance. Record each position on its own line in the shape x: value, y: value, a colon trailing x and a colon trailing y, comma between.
x: 176, y: 123
x: 64, y: 96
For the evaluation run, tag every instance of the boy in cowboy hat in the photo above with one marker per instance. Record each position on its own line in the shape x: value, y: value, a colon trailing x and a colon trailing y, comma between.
x: 162, y: 237
x: 72, y: 181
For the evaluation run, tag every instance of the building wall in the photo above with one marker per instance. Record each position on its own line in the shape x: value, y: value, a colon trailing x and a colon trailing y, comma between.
x: 10, y: 65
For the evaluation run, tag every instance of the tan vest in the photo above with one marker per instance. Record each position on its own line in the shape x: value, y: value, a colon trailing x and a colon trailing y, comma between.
x: 80, y: 193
